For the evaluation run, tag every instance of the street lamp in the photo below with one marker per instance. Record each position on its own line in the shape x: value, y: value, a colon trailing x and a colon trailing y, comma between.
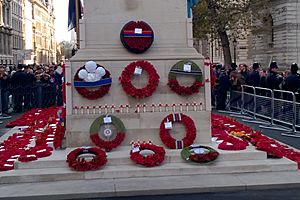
x: 234, y: 49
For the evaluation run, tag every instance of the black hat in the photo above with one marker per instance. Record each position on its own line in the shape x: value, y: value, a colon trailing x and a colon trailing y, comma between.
x: 20, y: 66
x: 294, y: 68
x: 233, y: 66
x: 273, y: 65
x: 255, y: 65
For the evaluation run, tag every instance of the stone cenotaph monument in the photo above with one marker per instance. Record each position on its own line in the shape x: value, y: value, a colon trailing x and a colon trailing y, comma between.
x: 172, y: 42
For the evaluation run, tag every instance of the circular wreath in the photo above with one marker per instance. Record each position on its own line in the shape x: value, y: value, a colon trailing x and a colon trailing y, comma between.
x: 232, y: 145
x: 130, y: 89
x: 93, y: 92
x: 194, y: 70
x: 107, y: 144
x: 81, y: 164
x: 137, y: 37
x: 198, y: 153
x: 148, y: 161
x: 271, y: 148
x: 190, y: 127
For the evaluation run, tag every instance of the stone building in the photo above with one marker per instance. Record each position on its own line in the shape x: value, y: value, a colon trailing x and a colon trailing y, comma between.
x: 281, y: 42
x: 17, y: 29
x: 41, y: 30
x: 28, y: 30
x: 6, y: 32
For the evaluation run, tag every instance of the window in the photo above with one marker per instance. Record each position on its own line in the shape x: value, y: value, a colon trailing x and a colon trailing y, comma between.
x: 38, y: 26
x: 38, y: 41
x: 269, y: 35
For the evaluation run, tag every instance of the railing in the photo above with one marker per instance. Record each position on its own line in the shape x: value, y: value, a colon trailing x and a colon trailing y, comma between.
x: 273, y: 109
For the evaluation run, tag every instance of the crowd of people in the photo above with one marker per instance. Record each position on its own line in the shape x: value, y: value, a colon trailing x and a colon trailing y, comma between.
x: 232, y: 79
x: 30, y: 86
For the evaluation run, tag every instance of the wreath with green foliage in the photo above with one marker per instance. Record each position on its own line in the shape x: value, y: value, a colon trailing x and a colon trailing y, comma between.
x: 195, y: 71
x: 199, y: 154
x: 108, y: 145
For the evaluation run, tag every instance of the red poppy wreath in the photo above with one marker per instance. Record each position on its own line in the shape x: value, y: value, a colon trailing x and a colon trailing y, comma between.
x: 109, y: 143
x: 92, y: 81
x: 76, y: 159
x: 147, y: 160
x: 188, y: 68
x: 136, y: 68
x: 137, y: 37
x: 166, y: 126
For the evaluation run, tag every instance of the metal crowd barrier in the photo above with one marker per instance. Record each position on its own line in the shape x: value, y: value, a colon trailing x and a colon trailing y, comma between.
x: 239, y: 100
x: 297, y: 114
x: 264, y: 106
x: 37, y: 95
x: 3, y: 97
x: 252, y: 104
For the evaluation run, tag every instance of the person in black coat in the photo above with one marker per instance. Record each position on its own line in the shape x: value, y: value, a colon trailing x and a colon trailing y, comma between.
x: 254, y: 77
x: 292, y: 81
x: 4, y: 86
x: 224, y: 85
x: 19, y: 82
x: 262, y: 82
x: 274, y: 80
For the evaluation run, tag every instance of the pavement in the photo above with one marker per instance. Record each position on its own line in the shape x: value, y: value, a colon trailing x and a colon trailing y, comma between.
x: 279, y: 194
x: 3, y: 129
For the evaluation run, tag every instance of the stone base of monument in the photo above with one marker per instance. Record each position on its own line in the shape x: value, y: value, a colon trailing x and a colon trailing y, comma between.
x: 51, y: 178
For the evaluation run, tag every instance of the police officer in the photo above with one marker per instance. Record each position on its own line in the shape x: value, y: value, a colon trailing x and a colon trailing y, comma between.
x: 254, y: 77
x: 292, y: 81
x: 273, y: 80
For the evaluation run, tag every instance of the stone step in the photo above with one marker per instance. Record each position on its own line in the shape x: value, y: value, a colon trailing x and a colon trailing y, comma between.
x: 121, y: 157
x: 131, y: 171
x: 102, y: 188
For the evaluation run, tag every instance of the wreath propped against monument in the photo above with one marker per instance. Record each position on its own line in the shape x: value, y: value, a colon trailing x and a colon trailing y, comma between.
x: 167, y: 124
x: 199, y: 154
x: 92, y: 81
x: 136, y: 68
x: 77, y: 159
x: 151, y: 160
x: 186, y: 68
x: 137, y: 37
x: 108, y: 143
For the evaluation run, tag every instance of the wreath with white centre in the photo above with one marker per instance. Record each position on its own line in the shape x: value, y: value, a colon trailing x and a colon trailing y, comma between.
x: 92, y: 81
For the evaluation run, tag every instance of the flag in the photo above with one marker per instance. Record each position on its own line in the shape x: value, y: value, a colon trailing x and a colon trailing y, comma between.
x: 190, y: 5
x: 72, y: 18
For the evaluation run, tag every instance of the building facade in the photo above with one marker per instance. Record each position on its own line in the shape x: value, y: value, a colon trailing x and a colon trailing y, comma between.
x: 28, y: 30
x: 281, y: 42
x: 6, y: 56
x: 44, y: 45
x: 39, y: 29
x: 17, y: 30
